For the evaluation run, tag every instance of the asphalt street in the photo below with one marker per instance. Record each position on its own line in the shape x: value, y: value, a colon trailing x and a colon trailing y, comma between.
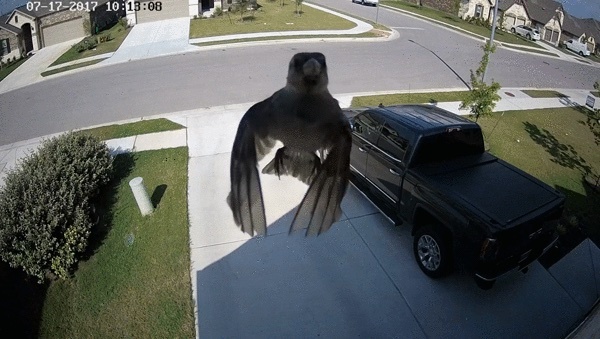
x: 425, y: 56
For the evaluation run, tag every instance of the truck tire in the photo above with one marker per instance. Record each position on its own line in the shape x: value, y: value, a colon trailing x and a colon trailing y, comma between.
x: 432, y: 251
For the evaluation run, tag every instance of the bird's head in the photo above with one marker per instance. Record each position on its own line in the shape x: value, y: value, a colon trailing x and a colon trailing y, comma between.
x: 307, y: 73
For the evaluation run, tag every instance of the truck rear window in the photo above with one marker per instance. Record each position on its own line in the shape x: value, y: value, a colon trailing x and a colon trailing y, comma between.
x: 448, y: 145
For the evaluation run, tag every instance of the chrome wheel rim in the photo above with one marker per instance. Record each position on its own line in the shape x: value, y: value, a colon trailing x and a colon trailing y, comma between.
x: 429, y: 252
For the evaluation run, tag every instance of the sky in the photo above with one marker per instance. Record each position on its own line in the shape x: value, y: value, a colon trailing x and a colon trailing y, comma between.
x: 577, y: 8
x: 580, y: 8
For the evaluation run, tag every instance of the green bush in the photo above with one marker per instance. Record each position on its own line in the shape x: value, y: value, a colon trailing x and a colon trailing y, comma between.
x: 123, y: 21
x: 47, y: 204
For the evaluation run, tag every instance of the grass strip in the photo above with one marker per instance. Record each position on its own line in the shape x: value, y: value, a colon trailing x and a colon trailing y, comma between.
x: 131, y: 129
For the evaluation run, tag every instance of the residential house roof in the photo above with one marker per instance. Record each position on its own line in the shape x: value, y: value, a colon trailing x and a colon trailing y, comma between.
x: 10, y: 28
x: 503, y: 5
x: 542, y: 10
x: 573, y: 25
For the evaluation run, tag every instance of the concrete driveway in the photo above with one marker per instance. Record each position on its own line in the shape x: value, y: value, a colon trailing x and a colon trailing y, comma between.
x: 153, y: 39
x: 357, y: 280
x: 30, y: 71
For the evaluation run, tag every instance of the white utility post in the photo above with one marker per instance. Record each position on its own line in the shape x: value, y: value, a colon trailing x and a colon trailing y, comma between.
x: 141, y: 196
x: 492, y: 37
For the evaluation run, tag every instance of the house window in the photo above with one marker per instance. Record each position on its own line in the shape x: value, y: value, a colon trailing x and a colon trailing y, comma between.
x: 478, y: 11
x: 4, y: 47
x: 16, y: 19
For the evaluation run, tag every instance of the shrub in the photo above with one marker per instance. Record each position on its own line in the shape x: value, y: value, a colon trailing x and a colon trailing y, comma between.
x: 80, y: 47
x: 123, y: 21
x: 218, y: 11
x: 47, y: 204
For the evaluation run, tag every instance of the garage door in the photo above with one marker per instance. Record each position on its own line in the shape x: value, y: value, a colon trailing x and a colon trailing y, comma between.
x: 520, y: 21
x: 170, y: 9
x: 63, y: 31
x: 509, y: 21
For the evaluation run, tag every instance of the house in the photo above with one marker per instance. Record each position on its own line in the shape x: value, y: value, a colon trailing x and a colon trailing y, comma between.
x: 513, y: 13
x: 476, y: 9
x: 48, y: 22
x: 583, y: 30
x: 10, y: 40
x: 544, y: 15
x: 547, y: 16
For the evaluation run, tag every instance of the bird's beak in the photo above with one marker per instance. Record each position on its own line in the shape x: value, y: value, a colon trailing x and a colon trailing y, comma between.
x: 311, y: 68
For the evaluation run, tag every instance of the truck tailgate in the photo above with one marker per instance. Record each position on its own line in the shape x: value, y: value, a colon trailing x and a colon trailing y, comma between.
x: 496, y: 190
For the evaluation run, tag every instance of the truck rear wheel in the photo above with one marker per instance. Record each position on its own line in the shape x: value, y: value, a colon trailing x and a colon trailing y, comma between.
x: 432, y: 251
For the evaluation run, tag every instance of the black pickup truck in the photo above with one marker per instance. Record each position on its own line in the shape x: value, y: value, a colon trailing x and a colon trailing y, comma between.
x: 428, y: 167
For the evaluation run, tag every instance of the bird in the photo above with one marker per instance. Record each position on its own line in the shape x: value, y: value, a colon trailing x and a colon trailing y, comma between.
x: 316, y: 138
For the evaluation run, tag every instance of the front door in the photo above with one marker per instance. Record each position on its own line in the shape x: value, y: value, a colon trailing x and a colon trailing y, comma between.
x: 26, y: 28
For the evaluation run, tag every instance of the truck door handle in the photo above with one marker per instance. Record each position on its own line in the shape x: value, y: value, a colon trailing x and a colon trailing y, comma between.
x: 362, y: 150
x: 393, y: 171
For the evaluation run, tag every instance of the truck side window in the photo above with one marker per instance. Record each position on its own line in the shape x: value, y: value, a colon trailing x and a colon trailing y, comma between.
x: 366, y: 124
x: 391, y: 142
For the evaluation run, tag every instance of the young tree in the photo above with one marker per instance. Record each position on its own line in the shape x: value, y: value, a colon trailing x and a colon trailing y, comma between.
x: 482, y: 97
x: 242, y: 6
x: 298, y: 5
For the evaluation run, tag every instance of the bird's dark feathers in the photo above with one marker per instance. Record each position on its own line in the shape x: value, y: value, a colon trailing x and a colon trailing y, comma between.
x: 307, y: 119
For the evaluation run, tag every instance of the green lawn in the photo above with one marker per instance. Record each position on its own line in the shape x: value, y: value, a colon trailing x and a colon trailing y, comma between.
x: 118, y: 34
x: 454, y: 20
x: 270, y: 17
x: 137, y: 281
x: 6, y: 70
x: 68, y: 68
x: 407, y: 98
x: 554, y: 146
x: 131, y: 129
x: 535, y: 93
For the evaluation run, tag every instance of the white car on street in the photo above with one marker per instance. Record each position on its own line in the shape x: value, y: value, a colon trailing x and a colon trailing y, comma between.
x: 367, y: 2
x: 577, y: 47
x: 526, y: 32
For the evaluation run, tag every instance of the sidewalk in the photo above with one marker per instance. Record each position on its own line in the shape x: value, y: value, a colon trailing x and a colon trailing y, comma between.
x: 209, y: 135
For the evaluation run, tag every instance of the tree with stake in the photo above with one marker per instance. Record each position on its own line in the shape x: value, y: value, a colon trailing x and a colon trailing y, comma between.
x: 482, y: 97
x: 298, y: 5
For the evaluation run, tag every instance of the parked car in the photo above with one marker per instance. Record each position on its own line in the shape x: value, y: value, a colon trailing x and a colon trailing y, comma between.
x: 526, y: 32
x: 367, y: 2
x: 428, y: 167
x: 577, y: 47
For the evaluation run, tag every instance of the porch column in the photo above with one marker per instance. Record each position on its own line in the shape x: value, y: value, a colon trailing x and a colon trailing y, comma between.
x: 131, y: 16
x: 193, y: 8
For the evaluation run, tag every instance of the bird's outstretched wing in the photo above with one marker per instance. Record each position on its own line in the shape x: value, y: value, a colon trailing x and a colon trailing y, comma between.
x: 245, y: 199
x: 320, y: 207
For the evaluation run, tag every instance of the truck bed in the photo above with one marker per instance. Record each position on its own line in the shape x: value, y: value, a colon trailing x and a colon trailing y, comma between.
x: 481, y: 181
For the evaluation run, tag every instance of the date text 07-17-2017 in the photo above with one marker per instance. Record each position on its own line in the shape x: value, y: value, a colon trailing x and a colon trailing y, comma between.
x: 88, y: 6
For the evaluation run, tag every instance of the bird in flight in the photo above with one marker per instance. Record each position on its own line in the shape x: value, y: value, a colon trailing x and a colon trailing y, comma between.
x: 306, y: 118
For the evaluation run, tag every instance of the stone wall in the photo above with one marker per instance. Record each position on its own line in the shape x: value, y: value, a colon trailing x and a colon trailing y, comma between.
x: 62, y: 16
x: 13, y: 42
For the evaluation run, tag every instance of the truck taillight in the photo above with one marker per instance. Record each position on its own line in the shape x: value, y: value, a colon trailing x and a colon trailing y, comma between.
x: 489, y: 249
